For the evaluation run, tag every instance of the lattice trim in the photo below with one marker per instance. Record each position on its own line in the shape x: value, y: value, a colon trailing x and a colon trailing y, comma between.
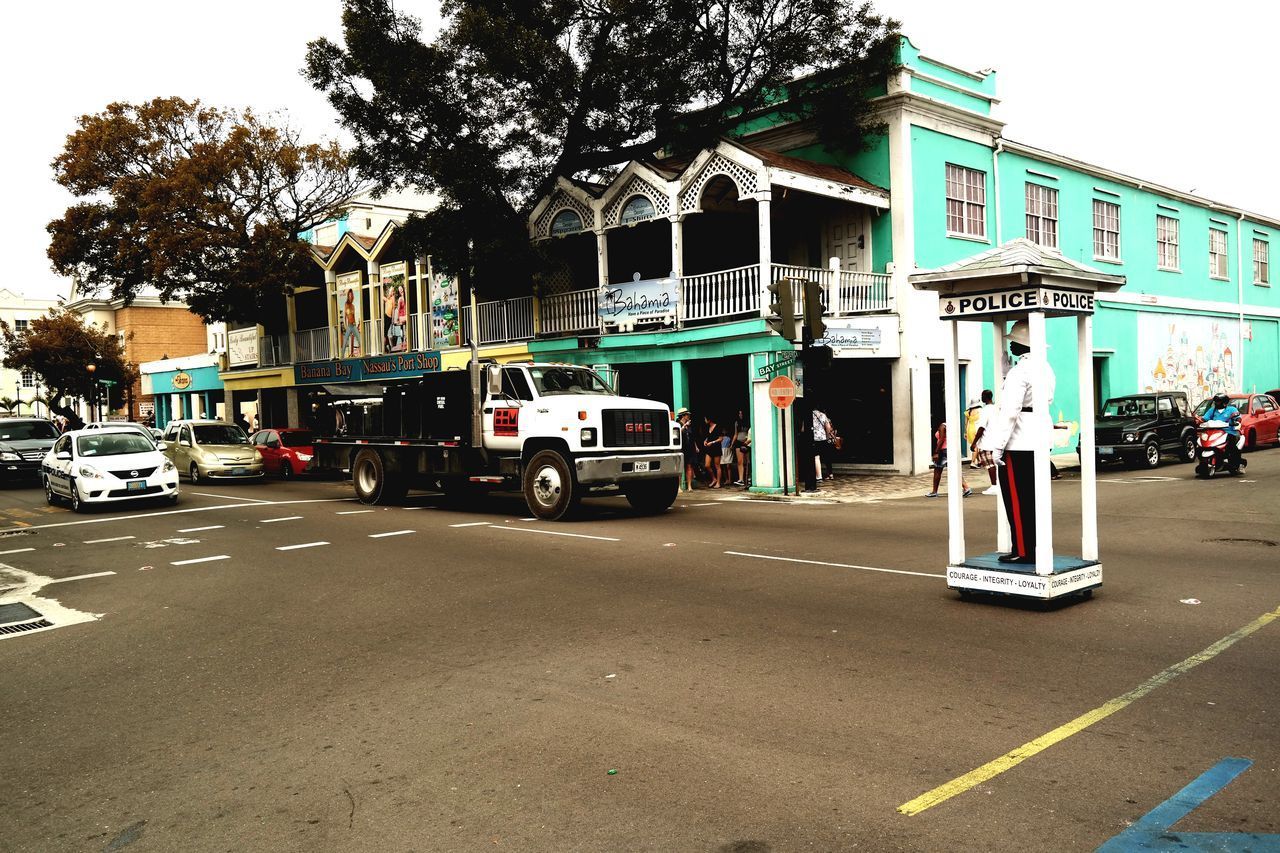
x: 561, y: 200
x: 743, y: 178
x: 634, y: 187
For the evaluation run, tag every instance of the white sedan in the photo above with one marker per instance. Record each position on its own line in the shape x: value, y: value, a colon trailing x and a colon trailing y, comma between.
x: 107, y: 465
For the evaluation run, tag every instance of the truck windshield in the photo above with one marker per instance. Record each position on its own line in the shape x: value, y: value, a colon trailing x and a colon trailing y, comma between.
x: 567, y: 380
x: 1128, y: 407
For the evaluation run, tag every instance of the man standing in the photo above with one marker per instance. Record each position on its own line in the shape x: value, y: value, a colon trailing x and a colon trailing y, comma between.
x: 1011, y: 438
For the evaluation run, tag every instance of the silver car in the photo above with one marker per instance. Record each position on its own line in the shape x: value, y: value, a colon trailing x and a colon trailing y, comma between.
x: 207, y: 450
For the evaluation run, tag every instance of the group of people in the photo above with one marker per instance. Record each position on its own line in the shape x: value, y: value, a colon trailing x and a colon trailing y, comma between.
x: 717, y: 455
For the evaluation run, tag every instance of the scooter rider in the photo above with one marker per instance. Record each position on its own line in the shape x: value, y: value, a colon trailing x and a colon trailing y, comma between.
x: 1222, y: 410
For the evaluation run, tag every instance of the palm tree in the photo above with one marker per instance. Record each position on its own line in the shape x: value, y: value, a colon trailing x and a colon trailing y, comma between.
x: 8, y: 405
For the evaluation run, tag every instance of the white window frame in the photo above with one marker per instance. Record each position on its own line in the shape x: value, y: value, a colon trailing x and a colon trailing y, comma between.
x: 1042, y: 215
x: 1102, y: 227
x: 19, y: 325
x: 966, y: 202
x: 1261, y: 262
x: 1219, y: 267
x: 1167, y: 243
x: 28, y: 379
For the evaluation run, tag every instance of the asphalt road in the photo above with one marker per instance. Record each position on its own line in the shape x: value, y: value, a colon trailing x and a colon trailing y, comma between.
x: 332, y: 676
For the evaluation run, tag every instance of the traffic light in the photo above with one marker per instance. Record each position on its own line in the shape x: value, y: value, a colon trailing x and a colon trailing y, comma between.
x: 814, y: 308
x: 782, y: 309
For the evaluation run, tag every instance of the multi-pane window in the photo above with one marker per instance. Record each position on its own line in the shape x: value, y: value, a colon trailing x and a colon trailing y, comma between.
x: 28, y: 379
x: 19, y: 325
x: 1042, y: 215
x: 1106, y: 230
x: 1166, y: 242
x: 966, y: 202
x: 1217, y: 253
x: 1261, y: 261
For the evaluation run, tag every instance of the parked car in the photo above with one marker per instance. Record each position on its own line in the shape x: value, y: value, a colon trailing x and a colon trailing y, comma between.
x: 286, y: 452
x: 204, y: 449
x: 24, y: 442
x: 1259, y: 418
x: 1138, y: 428
x: 106, y: 465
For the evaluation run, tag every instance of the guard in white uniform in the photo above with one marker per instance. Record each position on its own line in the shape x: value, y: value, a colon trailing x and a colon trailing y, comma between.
x: 1014, y: 433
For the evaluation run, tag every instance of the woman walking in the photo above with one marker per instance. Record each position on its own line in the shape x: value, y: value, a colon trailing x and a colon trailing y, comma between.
x: 712, y: 449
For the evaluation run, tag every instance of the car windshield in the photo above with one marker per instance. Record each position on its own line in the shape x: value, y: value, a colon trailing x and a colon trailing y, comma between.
x: 1129, y: 407
x: 302, y: 438
x: 112, y: 444
x: 21, y: 430
x: 1241, y: 403
x: 219, y: 434
x: 567, y: 380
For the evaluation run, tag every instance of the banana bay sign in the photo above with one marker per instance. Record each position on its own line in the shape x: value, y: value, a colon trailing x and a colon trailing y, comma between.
x: 1050, y: 300
x: 399, y: 366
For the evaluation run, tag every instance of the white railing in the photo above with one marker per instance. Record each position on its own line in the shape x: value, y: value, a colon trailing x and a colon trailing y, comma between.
x: 273, y: 350
x: 723, y: 293
x: 501, y: 320
x: 312, y: 344
x: 575, y: 311
x: 863, y: 293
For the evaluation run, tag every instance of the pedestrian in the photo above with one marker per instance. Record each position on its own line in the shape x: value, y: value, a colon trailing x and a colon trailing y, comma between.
x: 742, y: 447
x: 712, y: 448
x: 1017, y: 429
x: 688, y: 447
x: 986, y: 413
x: 940, y: 462
x: 824, y: 441
x: 241, y: 422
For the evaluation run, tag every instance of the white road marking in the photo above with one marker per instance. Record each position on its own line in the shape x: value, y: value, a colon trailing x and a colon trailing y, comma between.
x: 81, y: 577
x: 106, y: 519
x: 472, y: 524
x: 550, y: 532
x: 198, y: 529
x: 415, y: 507
x: 392, y: 533
x: 199, y: 560
x: 835, y: 565
x: 353, y: 511
x: 713, y: 503
x: 230, y: 497
x: 112, y: 539
x: 17, y: 551
x: 282, y: 518
x: 528, y: 519
x: 303, y: 545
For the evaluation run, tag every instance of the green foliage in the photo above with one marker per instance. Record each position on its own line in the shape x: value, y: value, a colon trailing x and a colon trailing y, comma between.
x: 202, y: 204
x: 511, y: 95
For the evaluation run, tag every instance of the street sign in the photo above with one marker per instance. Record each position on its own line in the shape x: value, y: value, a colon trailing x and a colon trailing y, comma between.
x: 782, y: 392
x: 784, y: 361
x: 107, y: 382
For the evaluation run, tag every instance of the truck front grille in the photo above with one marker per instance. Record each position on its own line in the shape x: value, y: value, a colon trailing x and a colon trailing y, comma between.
x: 636, y: 428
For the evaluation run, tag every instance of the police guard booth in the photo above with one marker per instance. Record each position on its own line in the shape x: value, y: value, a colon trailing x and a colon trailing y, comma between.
x: 1016, y: 281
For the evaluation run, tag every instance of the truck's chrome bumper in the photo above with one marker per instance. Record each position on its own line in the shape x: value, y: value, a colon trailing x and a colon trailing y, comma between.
x: 600, y: 470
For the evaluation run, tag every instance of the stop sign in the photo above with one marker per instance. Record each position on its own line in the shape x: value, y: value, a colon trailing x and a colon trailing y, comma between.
x: 782, y: 392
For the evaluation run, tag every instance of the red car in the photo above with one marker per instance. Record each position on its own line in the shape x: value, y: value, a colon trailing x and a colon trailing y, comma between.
x: 1259, y: 418
x: 286, y: 452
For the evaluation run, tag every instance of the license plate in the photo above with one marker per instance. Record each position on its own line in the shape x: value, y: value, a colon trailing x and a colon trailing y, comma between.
x: 135, y: 486
x: 239, y: 471
x: 641, y: 467
x: 1106, y: 451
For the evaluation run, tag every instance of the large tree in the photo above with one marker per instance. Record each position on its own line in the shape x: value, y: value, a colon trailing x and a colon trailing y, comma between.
x: 59, y: 347
x: 202, y: 204
x: 510, y: 95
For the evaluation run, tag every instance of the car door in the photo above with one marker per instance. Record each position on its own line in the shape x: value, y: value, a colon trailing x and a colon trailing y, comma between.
x: 1268, y: 419
x: 59, y: 470
x: 269, y: 447
x: 182, y: 451
x: 1167, y: 427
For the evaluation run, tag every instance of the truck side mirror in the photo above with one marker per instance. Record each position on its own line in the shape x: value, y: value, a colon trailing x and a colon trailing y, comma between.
x: 495, y: 381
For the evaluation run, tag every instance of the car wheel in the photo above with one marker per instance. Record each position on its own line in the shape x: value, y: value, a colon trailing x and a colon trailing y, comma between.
x: 1189, y: 448
x: 1251, y: 442
x: 286, y: 470
x: 1151, y: 455
x: 49, y: 497
x: 77, y: 504
x: 195, y: 474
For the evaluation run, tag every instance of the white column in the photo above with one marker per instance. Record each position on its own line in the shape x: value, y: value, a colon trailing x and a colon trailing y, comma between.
x: 1004, y: 538
x: 1044, y: 497
x: 331, y: 309
x: 951, y: 387
x: 373, y: 346
x: 677, y: 264
x: 424, y: 303
x: 602, y: 263
x: 1088, y: 455
x: 763, y: 206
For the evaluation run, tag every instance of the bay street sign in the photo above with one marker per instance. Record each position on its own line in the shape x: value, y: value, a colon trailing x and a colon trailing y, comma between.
x: 1050, y: 300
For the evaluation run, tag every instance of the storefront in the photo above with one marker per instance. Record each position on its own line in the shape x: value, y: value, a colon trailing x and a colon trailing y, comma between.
x: 187, y: 387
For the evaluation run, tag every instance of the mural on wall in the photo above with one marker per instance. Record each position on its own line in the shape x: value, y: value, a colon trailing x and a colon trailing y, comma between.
x: 395, y: 308
x: 349, y: 310
x: 1192, y: 354
x: 445, y: 331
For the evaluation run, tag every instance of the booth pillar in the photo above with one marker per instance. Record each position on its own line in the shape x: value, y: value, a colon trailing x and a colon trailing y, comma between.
x: 1088, y: 454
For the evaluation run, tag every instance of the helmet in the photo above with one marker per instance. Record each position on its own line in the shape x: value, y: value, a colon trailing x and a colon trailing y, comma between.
x: 1020, y: 333
x: 1221, y: 400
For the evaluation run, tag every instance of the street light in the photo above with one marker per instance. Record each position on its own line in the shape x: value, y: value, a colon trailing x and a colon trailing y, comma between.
x: 93, y: 389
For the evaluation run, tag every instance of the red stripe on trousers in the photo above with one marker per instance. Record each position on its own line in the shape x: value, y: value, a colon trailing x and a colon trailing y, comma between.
x: 1017, y: 510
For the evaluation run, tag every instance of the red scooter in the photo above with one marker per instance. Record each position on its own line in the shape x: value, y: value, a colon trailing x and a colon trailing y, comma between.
x: 1214, y: 451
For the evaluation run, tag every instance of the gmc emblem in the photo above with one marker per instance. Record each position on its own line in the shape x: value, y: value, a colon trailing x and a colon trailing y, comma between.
x: 639, y: 428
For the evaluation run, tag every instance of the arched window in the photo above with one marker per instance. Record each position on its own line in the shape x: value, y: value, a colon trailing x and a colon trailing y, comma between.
x: 566, y: 222
x: 637, y: 209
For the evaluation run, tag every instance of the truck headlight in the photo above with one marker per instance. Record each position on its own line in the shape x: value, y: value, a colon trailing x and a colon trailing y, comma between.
x: 1130, y: 436
x: 588, y: 436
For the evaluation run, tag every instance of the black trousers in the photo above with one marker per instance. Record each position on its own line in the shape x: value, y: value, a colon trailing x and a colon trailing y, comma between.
x: 1018, y: 490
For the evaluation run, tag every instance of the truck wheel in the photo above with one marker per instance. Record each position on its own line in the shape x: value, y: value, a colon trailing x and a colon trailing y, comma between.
x: 549, y: 488
x: 1189, y: 447
x: 1151, y: 455
x: 651, y: 497
x: 373, y: 483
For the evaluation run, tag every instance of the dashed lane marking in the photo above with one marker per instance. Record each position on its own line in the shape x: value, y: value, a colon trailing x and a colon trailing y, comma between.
x: 471, y: 524
x: 392, y: 533
x: 282, y: 518
x: 199, y: 560
x: 546, y: 532
x: 80, y: 577
x: 199, y: 529
x: 303, y: 545
x: 230, y: 497
x: 713, y: 503
x: 19, y: 525
x: 359, y: 511
x: 17, y: 551
x: 835, y: 565
x: 111, y: 539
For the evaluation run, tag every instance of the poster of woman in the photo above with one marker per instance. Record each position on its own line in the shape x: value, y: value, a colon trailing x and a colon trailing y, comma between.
x: 395, y: 308
x: 349, y: 315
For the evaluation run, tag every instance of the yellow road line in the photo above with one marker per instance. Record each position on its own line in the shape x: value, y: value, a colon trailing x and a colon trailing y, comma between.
x: 973, y: 778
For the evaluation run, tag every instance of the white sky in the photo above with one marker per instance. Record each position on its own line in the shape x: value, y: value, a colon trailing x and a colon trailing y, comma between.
x: 1175, y: 92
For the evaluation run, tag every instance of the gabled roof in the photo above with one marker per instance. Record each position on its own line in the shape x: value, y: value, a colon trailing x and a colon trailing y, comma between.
x: 1017, y: 257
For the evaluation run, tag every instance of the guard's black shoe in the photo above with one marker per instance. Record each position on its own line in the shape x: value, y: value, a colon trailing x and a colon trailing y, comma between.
x: 1015, y: 558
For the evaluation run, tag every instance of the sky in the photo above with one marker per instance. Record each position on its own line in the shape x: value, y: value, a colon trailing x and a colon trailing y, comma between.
x: 1176, y: 93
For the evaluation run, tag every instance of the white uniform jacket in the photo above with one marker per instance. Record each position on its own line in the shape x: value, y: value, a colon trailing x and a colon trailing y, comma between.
x: 1017, y: 425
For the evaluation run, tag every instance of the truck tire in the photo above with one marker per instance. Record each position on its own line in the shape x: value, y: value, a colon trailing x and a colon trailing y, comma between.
x: 373, y: 483
x: 549, y: 487
x: 1150, y: 454
x: 651, y: 497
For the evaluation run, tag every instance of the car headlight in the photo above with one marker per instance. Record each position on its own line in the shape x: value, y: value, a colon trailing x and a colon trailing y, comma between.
x: 588, y: 436
x: 167, y: 467
x: 1130, y: 436
x: 89, y: 472
x: 303, y: 457
x: 9, y: 456
x: 257, y: 455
